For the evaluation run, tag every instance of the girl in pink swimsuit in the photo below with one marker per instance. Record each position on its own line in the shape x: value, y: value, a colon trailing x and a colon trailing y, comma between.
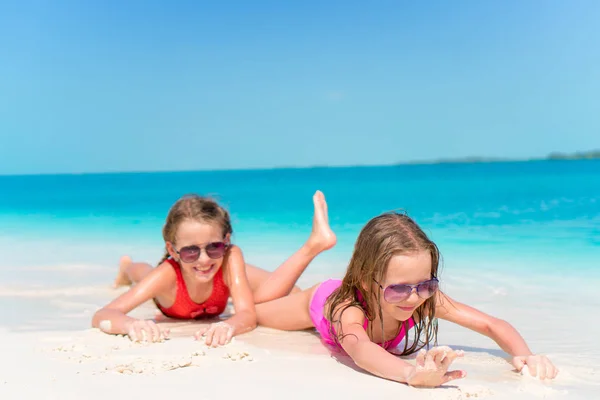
x: 390, y: 290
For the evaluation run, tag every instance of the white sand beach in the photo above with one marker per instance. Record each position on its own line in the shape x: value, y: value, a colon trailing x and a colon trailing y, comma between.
x: 49, y: 351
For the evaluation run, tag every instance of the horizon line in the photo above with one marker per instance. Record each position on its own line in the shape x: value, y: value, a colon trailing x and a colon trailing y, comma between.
x: 554, y: 156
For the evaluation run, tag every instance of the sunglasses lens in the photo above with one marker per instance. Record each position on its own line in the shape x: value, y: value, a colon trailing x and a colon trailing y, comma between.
x: 396, y: 293
x: 215, y: 250
x: 189, y: 254
x: 427, y: 289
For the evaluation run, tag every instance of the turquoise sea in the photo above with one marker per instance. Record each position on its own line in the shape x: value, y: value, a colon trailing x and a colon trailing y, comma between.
x: 524, y: 219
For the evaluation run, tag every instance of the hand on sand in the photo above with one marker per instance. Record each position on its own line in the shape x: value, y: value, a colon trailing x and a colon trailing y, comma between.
x: 140, y: 330
x: 538, y: 366
x: 432, y: 367
x: 217, y: 334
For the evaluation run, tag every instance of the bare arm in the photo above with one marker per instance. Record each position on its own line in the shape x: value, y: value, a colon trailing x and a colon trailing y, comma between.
x: 244, y: 319
x: 430, y: 369
x: 501, y: 332
x: 113, y: 318
x: 366, y: 354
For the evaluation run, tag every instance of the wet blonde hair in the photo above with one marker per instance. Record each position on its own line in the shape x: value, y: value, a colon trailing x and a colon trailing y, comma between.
x: 382, y: 238
x: 196, y: 208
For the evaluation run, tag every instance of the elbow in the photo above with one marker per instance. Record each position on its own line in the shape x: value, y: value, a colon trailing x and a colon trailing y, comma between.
x: 360, y: 363
x: 358, y: 352
x: 252, y: 325
x: 97, y: 318
x: 252, y: 321
x: 249, y: 322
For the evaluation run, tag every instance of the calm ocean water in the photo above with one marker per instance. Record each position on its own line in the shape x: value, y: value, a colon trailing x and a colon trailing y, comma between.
x: 518, y: 217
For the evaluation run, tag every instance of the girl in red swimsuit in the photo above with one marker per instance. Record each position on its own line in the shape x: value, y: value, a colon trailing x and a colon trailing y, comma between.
x: 200, y: 270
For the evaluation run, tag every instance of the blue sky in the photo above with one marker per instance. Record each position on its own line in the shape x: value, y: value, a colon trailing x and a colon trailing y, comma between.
x: 149, y: 85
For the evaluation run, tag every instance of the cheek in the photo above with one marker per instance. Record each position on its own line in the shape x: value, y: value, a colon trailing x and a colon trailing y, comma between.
x: 388, y: 308
x: 413, y: 300
x: 420, y: 302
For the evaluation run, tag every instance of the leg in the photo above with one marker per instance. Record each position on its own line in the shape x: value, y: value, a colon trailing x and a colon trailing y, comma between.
x: 130, y: 272
x: 290, y: 313
x: 281, y: 282
x: 258, y: 276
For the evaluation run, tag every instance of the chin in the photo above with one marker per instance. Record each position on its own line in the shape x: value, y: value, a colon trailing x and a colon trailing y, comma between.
x: 401, y: 314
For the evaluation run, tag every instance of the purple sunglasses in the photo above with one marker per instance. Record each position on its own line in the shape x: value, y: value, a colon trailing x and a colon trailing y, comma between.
x: 190, y: 254
x: 400, y: 292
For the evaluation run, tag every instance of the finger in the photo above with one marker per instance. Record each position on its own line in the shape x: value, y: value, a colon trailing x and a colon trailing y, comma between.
x: 548, y: 367
x: 200, y: 333
x: 166, y: 333
x: 518, y: 363
x: 550, y: 370
x: 208, y: 336
x: 223, y: 337
x: 161, y: 333
x: 132, y: 334
x: 441, y: 355
x: 156, y: 336
x: 229, y: 335
x: 453, y: 375
x: 420, y: 360
x: 217, y: 332
x: 449, y: 359
x: 155, y: 331
x: 533, y: 368
x: 214, y: 338
x: 430, y: 359
x: 138, y: 333
x: 146, y: 333
x: 542, y: 371
x: 447, y: 349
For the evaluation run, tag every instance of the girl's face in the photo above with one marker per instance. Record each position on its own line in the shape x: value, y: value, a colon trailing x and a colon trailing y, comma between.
x: 406, y: 269
x: 199, y: 248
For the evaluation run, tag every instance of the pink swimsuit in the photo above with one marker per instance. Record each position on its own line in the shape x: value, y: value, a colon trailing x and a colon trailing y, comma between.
x: 317, y: 305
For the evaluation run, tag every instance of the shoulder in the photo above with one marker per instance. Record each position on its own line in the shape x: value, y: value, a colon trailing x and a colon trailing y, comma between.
x: 234, y: 251
x: 233, y: 265
x: 234, y: 259
x: 346, y: 313
x: 158, y: 281
x: 348, y: 323
x: 163, y: 276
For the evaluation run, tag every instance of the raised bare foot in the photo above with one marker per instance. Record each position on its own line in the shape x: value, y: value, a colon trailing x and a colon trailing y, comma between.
x: 322, y: 237
x: 122, y: 279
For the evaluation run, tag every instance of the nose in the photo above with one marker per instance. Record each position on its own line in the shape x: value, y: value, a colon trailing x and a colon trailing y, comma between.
x: 203, y: 258
x: 413, y: 298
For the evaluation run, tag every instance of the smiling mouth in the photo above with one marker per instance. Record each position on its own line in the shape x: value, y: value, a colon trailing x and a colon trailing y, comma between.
x: 205, y: 270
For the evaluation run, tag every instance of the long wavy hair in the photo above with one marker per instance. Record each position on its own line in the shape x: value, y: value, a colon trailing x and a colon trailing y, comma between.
x: 380, y: 239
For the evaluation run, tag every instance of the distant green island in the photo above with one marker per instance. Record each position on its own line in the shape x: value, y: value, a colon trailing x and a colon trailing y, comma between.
x: 580, y: 155
x: 585, y: 155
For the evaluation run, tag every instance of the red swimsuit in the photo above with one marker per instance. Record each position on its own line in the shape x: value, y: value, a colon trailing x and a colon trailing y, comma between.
x: 185, y: 308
